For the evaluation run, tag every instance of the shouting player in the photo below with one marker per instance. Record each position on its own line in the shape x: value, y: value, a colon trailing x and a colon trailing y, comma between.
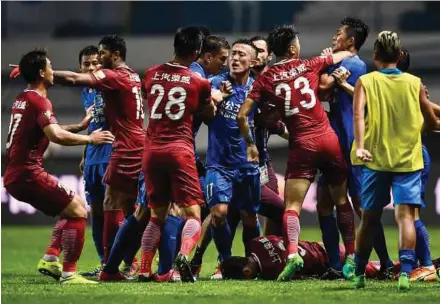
x: 95, y: 158
x: 121, y: 91
x: 174, y: 93
x: 33, y: 125
x: 391, y: 151
x: 350, y: 36
x: 292, y: 85
x: 232, y: 181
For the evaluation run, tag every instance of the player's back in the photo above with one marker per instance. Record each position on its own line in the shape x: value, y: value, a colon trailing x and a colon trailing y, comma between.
x: 174, y: 94
x: 293, y: 86
x: 26, y: 141
x: 121, y: 90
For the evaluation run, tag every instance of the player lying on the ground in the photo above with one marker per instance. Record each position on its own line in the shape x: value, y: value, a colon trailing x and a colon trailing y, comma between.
x: 268, y: 259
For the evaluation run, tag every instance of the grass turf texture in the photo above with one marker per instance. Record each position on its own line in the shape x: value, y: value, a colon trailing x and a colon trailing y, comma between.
x: 22, y: 247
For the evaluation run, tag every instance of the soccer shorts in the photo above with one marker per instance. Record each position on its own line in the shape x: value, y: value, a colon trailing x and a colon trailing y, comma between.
x: 323, y: 153
x: 43, y: 191
x: 271, y: 205
x: 239, y: 187
x: 93, y: 183
x: 376, y: 185
x: 122, y: 173
x: 425, y: 173
x: 142, y: 193
x: 171, y: 175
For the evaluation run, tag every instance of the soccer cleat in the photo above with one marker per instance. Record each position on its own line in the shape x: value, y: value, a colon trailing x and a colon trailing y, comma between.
x: 76, y: 279
x: 129, y: 270
x: 113, y: 277
x: 196, y: 263
x: 332, y: 274
x: 403, y: 283
x: 359, y: 281
x: 348, y: 269
x: 145, y: 277
x: 171, y: 277
x: 293, y: 264
x: 423, y: 274
x: 52, y: 269
x: 387, y: 273
x: 184, y: 268
x: 94, y: 272
x: 217, y: 275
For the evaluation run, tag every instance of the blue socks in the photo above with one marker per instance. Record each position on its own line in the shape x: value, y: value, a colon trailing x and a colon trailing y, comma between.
x: 169, y: 243
x: 330, y: 238
x: 422, y: 244
x: 407, y: 258
x: 223, y: 240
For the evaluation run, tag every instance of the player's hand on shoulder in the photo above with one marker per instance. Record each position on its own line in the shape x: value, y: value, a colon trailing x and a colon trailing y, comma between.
x: 101, y: 137
x: 364, y: 155
x: 326, y: 52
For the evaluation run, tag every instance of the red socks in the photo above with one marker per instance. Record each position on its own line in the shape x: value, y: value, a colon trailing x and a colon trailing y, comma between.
x: 112, y: 220
x: 72, y: 242
x: 55, y: 242
x: 150, y: 243
x: 291, y: 229
x: 190, y: 235
x: 345, y: 218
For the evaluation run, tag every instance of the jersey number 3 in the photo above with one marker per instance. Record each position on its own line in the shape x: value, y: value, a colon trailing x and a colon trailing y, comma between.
x: 305, y: 90
x: 172, y: 100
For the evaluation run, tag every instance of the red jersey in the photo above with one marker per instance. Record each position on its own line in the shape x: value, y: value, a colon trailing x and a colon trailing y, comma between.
x: 26, y: 141
x: 292, y: 86
x: 174, y: 94
x: 271, y: 255
x: 121, y: 89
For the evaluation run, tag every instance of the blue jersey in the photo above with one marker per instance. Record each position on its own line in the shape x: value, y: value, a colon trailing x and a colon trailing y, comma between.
x: 341, y: 109
x: 226, y: 146
x: 95, y: 155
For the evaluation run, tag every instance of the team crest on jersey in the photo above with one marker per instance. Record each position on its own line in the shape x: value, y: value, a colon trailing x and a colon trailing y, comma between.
x: 61, y: 187
x: 99, y: 75
x: 48, y: 114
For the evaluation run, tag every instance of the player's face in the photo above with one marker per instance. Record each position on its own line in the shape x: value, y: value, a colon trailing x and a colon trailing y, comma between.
x: 263, y: 55
x: 47, y: 74
x: 242, y: 58
x: 90, y: 63
x: 340, y: 40
x: 105, y: 57
x: 217, y: 62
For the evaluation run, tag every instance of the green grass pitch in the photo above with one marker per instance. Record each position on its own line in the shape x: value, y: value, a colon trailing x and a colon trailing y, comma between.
x: 22, y: 247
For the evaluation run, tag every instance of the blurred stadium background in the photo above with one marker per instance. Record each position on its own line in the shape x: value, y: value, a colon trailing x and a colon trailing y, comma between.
x: 66, y: 27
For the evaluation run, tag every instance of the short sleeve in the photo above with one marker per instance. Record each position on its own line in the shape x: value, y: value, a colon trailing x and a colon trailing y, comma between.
x: 45, y: 115
x: 205, y: 93
x: 105, y: 80
x: 319, y: 63
x: 257, y: 89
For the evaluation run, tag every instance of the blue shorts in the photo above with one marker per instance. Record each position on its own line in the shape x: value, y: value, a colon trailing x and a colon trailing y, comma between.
x: 94, y: 187
x: 142, y: 193
x: 425, y: 173
x: 376, y: 185
x: 239, y: 187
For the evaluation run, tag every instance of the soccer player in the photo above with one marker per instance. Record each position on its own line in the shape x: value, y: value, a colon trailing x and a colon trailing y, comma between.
x: 95, y: 158
x: 426, y: 270
x: 350, y: 36
x: 174, y: 93
x: 390, y: 151
x: 33, y: 125
x: 269, y: 256
x: 121, y: 91
x: 292, y: 85
x: 232, y: 181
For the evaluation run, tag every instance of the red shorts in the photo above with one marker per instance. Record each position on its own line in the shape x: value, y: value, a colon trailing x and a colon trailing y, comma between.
x: 43, y: 191
x: 171, y: 176
x: 323, y: 153
x: 122, y: 173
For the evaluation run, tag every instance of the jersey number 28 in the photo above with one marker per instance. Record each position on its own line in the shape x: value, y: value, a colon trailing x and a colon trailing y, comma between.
x: 172, y: 100
x: 305, y: 90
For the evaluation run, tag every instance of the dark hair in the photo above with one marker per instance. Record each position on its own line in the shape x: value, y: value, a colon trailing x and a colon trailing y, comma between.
x: 213, y: 44
x: 115, y: 43
x: 387, y: 47
x: 187, y: 41
x: 31, y: 64
x: 404, y: 60
x: 281, y: 37
x: 232, y: 268
x: 88, y: 51
x: 258, y: 38
x: 204, y: 30
x: 247, y: 42
x: 357, y: 29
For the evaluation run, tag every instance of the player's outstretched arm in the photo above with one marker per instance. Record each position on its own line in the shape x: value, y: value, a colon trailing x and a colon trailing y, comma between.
x: 339, y: 56
x: 62, y: 137
x: 359, y: 102
x: 72, y: 78
x: 431, y: 120
x: 242, y: 120
x: 75, y: 128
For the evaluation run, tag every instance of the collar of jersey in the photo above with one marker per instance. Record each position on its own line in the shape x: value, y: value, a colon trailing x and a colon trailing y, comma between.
x: 285, y: 61
x: 391, y: 71
x: 203, y: 69
x: 248, y: 83
x: 35, y: 91
x: 176, y: 65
